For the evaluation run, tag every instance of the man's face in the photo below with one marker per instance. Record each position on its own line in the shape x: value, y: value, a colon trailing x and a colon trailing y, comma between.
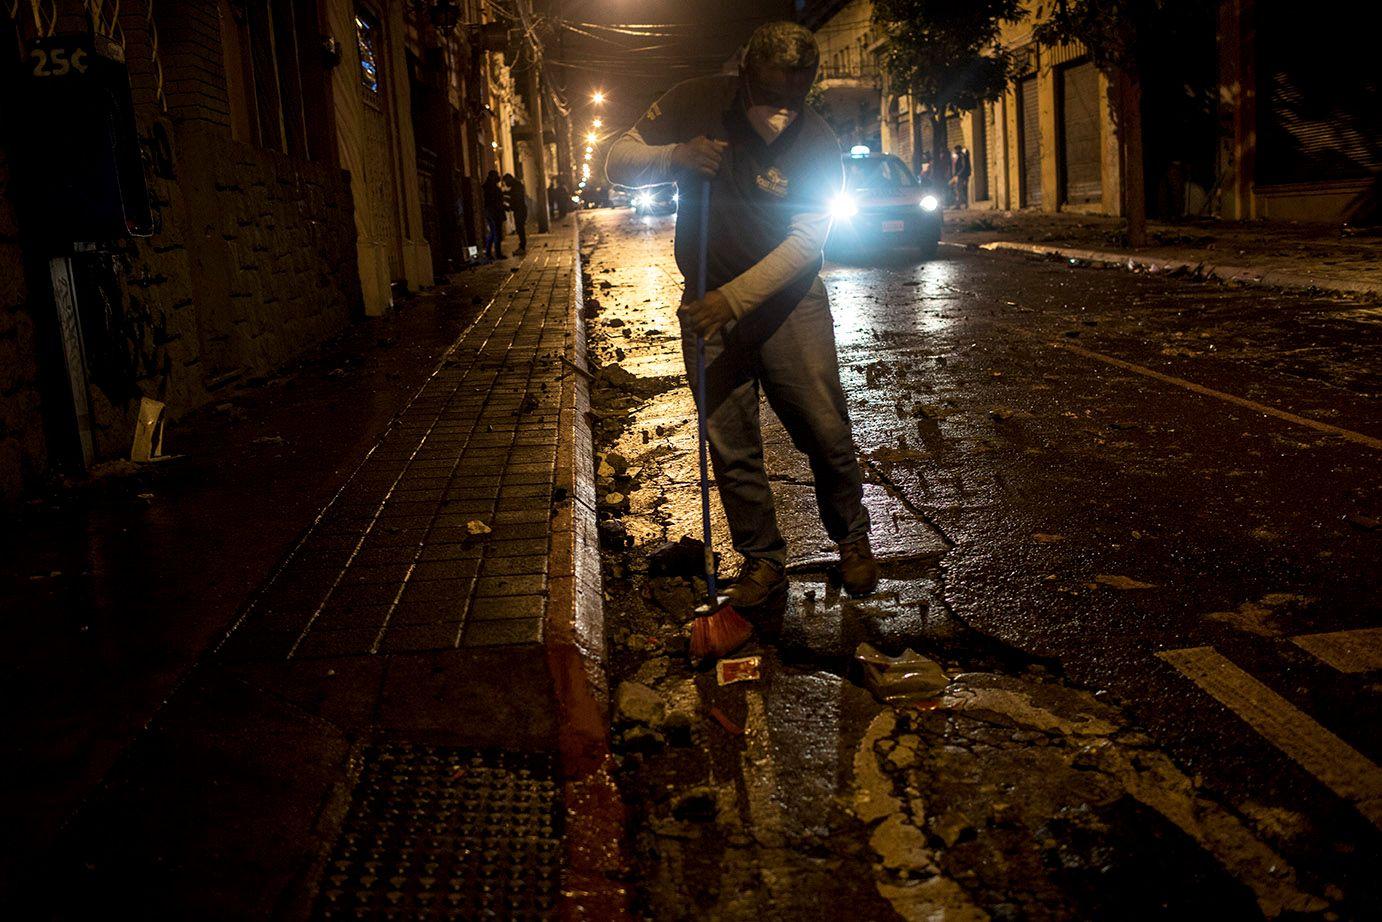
x: 778, y: 87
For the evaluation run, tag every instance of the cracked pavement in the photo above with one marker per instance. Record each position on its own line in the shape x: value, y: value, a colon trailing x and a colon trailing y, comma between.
x: 1070, y: 471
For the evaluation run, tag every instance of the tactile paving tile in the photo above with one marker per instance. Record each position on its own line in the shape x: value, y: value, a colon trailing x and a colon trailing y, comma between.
x: 446, y: 833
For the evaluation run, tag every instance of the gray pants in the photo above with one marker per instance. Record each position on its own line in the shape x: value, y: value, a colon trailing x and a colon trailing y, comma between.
x: 790, y: 354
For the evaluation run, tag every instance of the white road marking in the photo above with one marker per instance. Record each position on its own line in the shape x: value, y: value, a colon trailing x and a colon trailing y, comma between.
x: 1253, y: 405
x: 1337, y: 765
x: 1346, y: 651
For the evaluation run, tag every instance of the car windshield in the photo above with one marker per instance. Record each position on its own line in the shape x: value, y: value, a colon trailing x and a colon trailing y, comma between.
x: 882, y: 174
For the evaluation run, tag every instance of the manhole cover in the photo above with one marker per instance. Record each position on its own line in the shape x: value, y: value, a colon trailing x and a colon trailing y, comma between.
x: 445, y: 833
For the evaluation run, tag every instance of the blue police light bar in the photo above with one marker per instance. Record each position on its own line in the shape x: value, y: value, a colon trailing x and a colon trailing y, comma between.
x: 859, y: 150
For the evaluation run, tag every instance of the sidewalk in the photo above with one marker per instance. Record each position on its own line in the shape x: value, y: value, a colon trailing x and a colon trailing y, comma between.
x: 1274, y: 253
x: 399, y: 714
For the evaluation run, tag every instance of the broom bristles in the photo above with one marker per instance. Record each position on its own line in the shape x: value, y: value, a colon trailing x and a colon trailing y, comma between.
x: 719, y: 634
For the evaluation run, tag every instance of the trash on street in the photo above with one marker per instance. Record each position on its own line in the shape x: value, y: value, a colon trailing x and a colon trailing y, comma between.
x: 903, y: 679
x: 743, y: 669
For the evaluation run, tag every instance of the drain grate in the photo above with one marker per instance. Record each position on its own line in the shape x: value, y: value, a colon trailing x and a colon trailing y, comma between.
x: 445, y: 833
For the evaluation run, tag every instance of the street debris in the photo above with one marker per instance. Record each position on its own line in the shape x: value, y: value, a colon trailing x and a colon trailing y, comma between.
x: 477, y: 528
x: 900, y: 679
x: 636, y: 703
x: 743, y: 669
x: 1121, y: 582
x: 684, y: 558
x: 148, y: 431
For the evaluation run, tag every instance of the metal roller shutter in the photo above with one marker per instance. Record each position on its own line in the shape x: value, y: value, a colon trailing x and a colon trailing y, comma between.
x: 1318, y: 85
x: 1080, y: 149
x: 1029, y: 131
x: 979, y: 151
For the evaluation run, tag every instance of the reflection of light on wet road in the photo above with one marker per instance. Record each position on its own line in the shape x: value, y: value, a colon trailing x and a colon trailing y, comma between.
x: 861, y: 308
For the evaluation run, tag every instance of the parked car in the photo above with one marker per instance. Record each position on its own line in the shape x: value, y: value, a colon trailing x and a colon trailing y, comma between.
x: 659, y: 199
x: 883, y: 207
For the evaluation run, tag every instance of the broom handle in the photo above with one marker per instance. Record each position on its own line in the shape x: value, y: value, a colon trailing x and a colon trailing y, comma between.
x: 702, y: 433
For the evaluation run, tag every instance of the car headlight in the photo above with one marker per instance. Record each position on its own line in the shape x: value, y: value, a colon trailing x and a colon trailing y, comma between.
x: 843, y: 207
x: 676, y: 197
x: 643, y: 200
x: 930, y: 203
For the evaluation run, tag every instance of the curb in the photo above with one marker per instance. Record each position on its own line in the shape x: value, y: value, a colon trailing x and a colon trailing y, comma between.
x: 1241, y: 275
x: 574, y: 645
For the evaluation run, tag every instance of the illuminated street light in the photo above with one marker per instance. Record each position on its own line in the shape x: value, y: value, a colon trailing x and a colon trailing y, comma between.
x: 598, y: 98
x: 591, y: 137
x: 598, y: 123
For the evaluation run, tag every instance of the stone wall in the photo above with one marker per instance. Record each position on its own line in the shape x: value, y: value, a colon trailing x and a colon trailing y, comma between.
x: 253, y: 264
x: 271, y: 242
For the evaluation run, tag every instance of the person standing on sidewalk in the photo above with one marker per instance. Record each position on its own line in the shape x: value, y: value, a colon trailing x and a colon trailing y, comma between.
x: 772, y: 166
x: 492, y: 200
x: 516, y: 200
x: 960, y: 179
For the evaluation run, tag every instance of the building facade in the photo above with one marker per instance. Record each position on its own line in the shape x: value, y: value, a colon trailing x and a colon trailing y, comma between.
x: 304, y: 160
x: 1242, y: 118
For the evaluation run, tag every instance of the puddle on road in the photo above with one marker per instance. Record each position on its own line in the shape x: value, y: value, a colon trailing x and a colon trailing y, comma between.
x: 1013, y: 796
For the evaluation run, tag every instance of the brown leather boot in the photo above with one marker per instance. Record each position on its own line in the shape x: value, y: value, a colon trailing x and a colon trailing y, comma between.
x: 759, y: 583
x: 858, y: 569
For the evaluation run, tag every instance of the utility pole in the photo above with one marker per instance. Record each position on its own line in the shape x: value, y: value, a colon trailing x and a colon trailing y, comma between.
x: 540, y: 143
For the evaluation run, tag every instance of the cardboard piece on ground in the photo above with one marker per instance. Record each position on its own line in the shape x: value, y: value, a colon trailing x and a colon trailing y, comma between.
x: 744, y: 669
x: 148, y: 431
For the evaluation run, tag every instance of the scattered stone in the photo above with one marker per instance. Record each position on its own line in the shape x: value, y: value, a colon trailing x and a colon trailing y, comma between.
x: 1362, y: 522
x: 636, y: 703
x: 697, y: 805
x: 613, y: 535
x: 684, y: 558
x: 672, y: 595
x: 477, y: 528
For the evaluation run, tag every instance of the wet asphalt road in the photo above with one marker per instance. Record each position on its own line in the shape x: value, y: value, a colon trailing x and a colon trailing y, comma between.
x: 1092, y: 467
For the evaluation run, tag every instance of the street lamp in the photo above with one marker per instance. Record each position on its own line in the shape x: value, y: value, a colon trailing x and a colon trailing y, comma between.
x: 591, y: 137
x: 598, y: 123
x: 598, y: 97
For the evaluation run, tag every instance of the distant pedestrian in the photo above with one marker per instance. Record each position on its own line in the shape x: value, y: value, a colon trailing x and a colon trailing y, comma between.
x: 553, y: 202
x: 493, y: 201
x: 924, y: 165
x: 516, y: 200
x: 563, y: 199
x: 962, y: 168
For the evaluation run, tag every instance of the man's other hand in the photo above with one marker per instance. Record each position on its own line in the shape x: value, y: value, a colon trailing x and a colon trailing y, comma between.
x: 707, y: 315
x: 700, y: 156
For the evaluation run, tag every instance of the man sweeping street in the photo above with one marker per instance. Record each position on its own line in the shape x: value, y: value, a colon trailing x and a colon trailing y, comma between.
x: 772, y: 166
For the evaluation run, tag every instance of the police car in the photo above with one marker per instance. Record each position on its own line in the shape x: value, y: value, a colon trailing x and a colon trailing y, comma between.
x: 882, y: 207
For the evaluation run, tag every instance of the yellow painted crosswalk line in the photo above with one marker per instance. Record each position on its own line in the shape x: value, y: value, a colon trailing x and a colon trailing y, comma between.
x: 1346, y: 651
x: 1340, y: 767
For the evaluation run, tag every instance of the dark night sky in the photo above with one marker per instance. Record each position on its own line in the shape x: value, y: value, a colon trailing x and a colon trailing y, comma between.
x: 635, y: 70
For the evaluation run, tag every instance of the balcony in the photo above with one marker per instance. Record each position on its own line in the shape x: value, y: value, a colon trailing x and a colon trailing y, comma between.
x: 850, y: 85
x: 854, y: 75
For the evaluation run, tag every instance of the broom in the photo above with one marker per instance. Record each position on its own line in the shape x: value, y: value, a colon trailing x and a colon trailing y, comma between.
x: 718, y: 629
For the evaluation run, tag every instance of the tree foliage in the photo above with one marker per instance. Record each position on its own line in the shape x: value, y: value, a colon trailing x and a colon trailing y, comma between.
x: 945, y: 53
